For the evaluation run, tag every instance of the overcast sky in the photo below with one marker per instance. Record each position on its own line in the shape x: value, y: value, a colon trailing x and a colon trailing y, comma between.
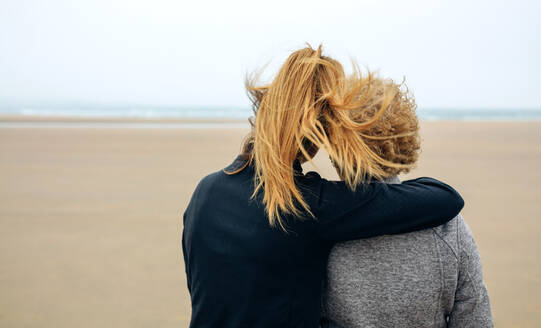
x: 454, y: 54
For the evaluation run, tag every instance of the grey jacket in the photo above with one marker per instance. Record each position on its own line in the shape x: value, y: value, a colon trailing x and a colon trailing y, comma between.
x: 428, y: 278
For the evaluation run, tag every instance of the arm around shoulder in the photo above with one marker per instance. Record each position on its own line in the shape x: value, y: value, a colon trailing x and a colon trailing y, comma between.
x: 377, y: 208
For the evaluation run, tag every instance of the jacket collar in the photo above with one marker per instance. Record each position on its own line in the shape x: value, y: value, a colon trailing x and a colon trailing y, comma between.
x: 238, y: 164
x: 392, y: 180
x: 244, y: 160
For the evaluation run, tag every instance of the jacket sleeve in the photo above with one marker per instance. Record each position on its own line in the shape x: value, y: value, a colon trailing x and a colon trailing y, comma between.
x: 471, y: 306
x: 185, y: 255
x: 377, y: 208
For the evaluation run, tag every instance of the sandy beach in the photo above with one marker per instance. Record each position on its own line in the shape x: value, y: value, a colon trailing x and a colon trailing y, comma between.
x: 90, y: 218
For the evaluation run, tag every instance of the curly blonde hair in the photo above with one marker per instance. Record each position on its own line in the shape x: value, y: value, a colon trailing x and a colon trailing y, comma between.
x: 394, y: 136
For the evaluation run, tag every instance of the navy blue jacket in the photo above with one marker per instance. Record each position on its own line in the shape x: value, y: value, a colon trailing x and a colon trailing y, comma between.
x: 243, y: 273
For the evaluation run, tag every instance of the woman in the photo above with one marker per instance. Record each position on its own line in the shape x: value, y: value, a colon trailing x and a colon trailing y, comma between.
x: 257, y: 234
x: 429, y: 278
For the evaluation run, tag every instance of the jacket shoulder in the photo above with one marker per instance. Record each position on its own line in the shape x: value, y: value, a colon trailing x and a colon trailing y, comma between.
x: 205, y: 183
x: 449, y: 233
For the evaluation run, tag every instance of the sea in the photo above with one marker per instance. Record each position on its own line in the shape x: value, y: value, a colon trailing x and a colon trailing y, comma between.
x: 202, y: 116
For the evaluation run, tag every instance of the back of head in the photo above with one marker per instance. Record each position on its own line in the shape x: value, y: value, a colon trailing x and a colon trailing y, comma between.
x: 308, y: 106
x: 395, y: 135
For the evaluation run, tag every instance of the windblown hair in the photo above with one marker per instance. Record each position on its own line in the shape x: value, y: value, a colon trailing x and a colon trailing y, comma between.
x: 308, y: 105
x: 394, y: 136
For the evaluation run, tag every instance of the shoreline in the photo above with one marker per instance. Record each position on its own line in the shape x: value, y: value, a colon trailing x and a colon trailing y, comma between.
x: 60, y: 122
x: 74, y: 122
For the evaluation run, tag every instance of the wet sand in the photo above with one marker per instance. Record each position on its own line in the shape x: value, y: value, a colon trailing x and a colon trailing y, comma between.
x: 90, y: 218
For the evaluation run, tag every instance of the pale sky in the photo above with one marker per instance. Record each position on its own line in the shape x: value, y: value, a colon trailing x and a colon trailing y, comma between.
x: 454, y: 54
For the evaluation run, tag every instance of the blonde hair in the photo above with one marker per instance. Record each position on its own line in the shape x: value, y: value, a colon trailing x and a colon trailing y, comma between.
x: 307, y: 105
x: 395, y: 135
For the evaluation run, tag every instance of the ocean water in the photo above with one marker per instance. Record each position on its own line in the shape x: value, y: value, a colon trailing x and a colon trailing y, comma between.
x: 430, y: 114
x: 436, y: 114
